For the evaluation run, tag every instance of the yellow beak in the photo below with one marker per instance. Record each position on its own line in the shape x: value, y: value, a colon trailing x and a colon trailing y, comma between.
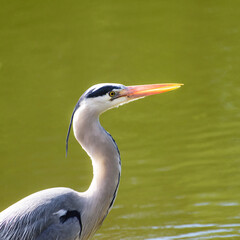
x: 150, y: 89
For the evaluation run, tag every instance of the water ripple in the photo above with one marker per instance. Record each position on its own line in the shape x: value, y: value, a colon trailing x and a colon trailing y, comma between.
x: 213, y: 233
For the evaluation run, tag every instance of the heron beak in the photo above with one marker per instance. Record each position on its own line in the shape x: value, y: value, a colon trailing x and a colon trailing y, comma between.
x: 139, y: 91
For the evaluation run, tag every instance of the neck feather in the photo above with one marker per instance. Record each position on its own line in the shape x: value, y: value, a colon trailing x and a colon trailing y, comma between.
x: 105, y: 157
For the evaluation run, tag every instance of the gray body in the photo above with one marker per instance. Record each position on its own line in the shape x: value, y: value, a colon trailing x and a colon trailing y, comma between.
x: 36, y: 217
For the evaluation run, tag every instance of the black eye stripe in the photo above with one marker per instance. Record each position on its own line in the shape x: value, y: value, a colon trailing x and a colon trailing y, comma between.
x: 101, y: 91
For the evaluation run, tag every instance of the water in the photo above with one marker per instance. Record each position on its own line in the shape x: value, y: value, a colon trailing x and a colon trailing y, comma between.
x: 180, y: 150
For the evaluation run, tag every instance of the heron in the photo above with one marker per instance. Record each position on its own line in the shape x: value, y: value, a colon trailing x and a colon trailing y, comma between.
x: 63, y: 213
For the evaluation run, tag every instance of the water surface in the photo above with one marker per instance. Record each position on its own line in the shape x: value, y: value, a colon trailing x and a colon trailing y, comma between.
x: 180, y: 150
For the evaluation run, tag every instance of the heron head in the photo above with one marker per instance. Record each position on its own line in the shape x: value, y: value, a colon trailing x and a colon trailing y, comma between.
x: 101, y: 97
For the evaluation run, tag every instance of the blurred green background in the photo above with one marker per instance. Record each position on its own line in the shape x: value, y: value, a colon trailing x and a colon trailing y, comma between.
x: 180, y: 150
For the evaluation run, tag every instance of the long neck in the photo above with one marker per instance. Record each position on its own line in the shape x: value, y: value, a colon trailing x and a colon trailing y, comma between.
x: 105, y: 159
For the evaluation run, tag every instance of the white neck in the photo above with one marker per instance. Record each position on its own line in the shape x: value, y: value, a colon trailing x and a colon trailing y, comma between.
x: 105, y: 160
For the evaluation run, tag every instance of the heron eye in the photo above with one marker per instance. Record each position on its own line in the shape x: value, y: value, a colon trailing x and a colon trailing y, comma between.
x: 111, y: 94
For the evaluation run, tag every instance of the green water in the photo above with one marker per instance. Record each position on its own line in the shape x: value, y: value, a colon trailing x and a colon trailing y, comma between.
x: 180, y: 150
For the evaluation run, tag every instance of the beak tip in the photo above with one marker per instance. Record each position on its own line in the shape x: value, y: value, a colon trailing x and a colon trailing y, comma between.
x: 178, y: 85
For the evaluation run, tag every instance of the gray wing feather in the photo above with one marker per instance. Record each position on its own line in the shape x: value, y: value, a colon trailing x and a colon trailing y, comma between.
x: 36, y: 216
x: 67, y: 231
